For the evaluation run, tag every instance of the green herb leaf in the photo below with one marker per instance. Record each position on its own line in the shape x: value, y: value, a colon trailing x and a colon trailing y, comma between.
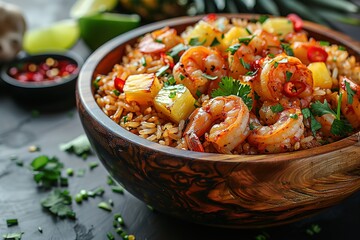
x: 288, y: 76
x: 277, y: 108
x: 70, y: 172
x: 314, y: 124
x: 175, y: 51
x: 271, y: 55
x: 248, y: 31
x: 12, y: 236
x: 245, y: 64
x: 196, y: 42
x: 80, y: 146
x: 246, y: 40
x: 93, y: 165
x: 342, y: 48
x: 182, y: 77
x: 198, y: 93
x: 143, y: 61
x: 252, y: 73
x: 39, y: 162
x: 162, y: 70
x: 116, y: 92
x: 294, y: 116
x: 105, y: 206
x: 158, y: 40
x: 12, y: 222
x: 172, y: 94
x: 229, y: 86
x: 215, y: 42
x: 287, y: 49
x: 47, y: 171
x: 319, y: 109
x: 232, y: 49
x: 350, y: 92
x: 96, y: 82
x: 117, y: 189
x: 207, y: 76
x: 306, y: 112
x: 313, y: 229
x: 324, y: 43
x: 263, y: 18
x: 58, y: 203
x: 171, y: 81
x: 340, y: 127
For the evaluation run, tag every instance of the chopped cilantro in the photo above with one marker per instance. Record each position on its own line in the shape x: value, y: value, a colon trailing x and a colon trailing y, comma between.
x: 58, y: 203
x: 12, y: 236
x: 172, y: 94
x: 277, y: 108
x: 288, y: 75
x: 198, y: 93
x: 306, y: 112
x: 252, y: 73
x: 324, y: 43
x: 276, y: 64
x: 341, y: 48
x: 196, y: 42
x: 271, y: 55
x: 313, y: 229
x: 319, y: 109
x: 288, y: 50
x: 70, y: 172
x: 96, y: 82
x: 207, y: 76
x: 182, y: 77
x: 171, y: 81
x: 215, y: 42
x: 47, y: 171
x: 116, y: 92
x: 11, y: 222
x: 105, y: 206
x: 125, y: 119
x: 117, y: 189
x: 314, y: 124
x: 158, y: 40
x: 245, y: 64
x: 229, y: 86
x: 80, y: 172
x: 294, y: 116
x: 340, y: 127
x: 232, y: 49
x: 93, y: 165
x: 80, y: 146
x: 110, y: 236
x: 143, y: 61
x: 110, y: 181
x: 350, y: 92
x: 251, y: 126
x: 263, y: 18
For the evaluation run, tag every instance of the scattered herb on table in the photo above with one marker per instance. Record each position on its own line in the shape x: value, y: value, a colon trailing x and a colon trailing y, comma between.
x: 80, y: 146
x: 80, y: 172
x: 313, y: 229
x: 105, y: 206
x: 59, y: 203
x: 12, y: 236
x: 93, y: 165
x: 47, y: 171
x: 117, y: 189
x: 40, y: 230
x: 12, y: 222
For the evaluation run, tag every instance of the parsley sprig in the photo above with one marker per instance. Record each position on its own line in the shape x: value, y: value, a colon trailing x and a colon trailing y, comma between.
x: 59, y: 203
x: 228, y: 86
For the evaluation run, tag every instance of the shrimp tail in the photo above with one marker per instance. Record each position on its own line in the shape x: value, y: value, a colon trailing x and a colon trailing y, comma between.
x: 193, y: 142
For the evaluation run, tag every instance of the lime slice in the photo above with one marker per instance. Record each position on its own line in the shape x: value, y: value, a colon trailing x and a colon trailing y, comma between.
x: 59, y: 36
x: 97, y: 29
x: 89, y: 7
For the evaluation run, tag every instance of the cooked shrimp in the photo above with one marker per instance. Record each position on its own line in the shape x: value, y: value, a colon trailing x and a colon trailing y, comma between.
x: 326, y: 122
x: 160, y: 41
x: 350, y: 110
x: 225, y: 135
x: 284, y: 76
x: 197, y: 67
x: 280, y: 136
x: 301, y: 48
x: 255, y: 47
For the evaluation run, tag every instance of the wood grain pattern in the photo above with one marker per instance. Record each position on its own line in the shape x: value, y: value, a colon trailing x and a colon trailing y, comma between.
x: 222, y: 190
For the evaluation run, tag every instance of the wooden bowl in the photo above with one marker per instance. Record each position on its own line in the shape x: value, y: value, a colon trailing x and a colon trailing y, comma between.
x: 234, y: 191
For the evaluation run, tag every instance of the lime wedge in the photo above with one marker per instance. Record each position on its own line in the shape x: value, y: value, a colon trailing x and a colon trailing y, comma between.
x: 89, y: 7
x: 59, y: 36
x: 97, y: 29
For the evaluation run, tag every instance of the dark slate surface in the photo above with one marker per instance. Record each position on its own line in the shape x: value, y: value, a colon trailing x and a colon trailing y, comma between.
x: 20, y: 198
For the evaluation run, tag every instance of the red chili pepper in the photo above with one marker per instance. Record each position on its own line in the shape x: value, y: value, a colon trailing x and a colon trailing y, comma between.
x: 316, y: 54
x: 255, y: 65
x: 119, y: 84
x: 296, y: 20
x: 293, y: 89
x: 167, y: 60
x: 210, y: 17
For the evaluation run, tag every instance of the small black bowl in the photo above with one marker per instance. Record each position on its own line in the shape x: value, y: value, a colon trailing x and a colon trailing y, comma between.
x: 45, y: 91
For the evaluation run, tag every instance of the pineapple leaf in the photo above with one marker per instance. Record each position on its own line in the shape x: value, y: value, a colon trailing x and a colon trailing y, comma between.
x: 331, y: 14
x: 268, y: 6
x: 338, y: 5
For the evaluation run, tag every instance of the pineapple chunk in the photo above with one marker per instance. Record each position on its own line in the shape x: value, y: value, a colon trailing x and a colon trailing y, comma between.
x: 278, y: 26
x: 142, y: 88
x: 204, y: 33
x: 233, y: 34
x: 176, y: 102
x: 321, y: 75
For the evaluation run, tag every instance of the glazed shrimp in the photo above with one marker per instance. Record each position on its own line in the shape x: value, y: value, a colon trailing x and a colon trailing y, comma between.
x: 351, y: 111
x: 232, y: 130
x: 284, y: 76
x: 159, y: 41
x: 258, y: 46
x: 280, y: 136
x: 196, y: 66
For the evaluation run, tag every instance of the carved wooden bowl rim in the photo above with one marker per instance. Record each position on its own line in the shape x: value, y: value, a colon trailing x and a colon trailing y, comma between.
x: 85, y: 95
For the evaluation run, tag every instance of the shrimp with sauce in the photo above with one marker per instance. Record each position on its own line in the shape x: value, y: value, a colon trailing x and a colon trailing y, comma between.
x: 226, y: 119
x: 284, y: 77
x: 159, y: 41
x: 200, y: 69
x: 350, y: 107
x: 250, y: 50
x: 280, y: 136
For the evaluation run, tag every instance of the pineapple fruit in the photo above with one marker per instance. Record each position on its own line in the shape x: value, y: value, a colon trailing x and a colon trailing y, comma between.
x: 321, y: 75
x: 278, y: 26
x: 141, y: 88
x: 176, y: 102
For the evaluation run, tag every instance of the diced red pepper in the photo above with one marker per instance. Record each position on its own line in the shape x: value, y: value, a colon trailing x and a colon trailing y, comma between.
x: 317, y: 54
x: 119, y: 84
x: 296, y: 20
x: 210, y: 17
x: 293, y: 89
x: 167, y: 60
